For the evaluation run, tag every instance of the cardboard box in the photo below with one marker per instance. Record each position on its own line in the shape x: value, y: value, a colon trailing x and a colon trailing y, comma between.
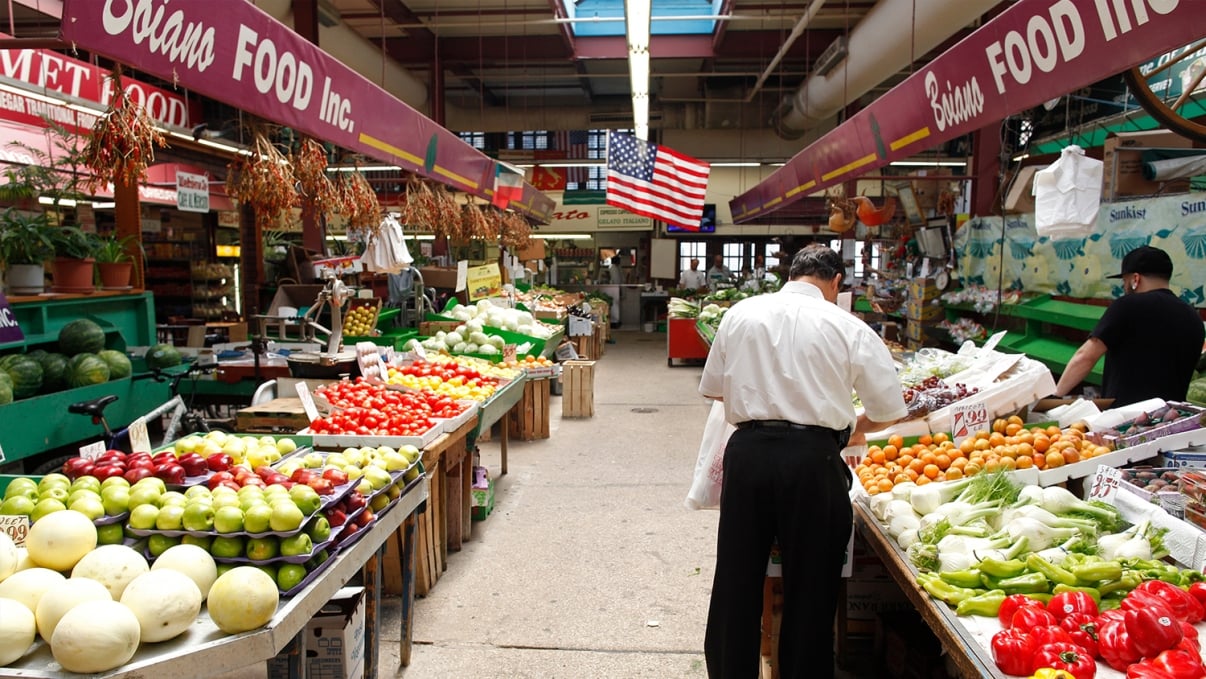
x: 439, y: 277
x: 334, y: 640
x: 920, y: 331
x: 1123, y: 158
x: 1190, y: 457
x: 923, y: 311
x: 923, y: 290
x: 482, y: 493
x: 1020, y: 199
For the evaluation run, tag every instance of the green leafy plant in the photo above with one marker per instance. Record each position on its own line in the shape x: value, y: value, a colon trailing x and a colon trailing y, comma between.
x: 25, y: 238
x: 72, y: 242
x: 112, y: 250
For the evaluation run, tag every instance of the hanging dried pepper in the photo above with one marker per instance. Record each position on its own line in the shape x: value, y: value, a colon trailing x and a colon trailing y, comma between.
x: 263, y: 180
x: 358, y: 203
x: 516, y: 232
x: 318, y: 193
x: 420, y: 210
x: 122, y: 143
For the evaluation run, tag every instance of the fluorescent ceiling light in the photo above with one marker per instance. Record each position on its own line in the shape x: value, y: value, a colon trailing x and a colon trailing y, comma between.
x: 636, y: 24
x: 589, y: 163
x: 929, y: 163
x: 640, y: 116
x: 104, y: 206
x: 1018, y: 159
x: 562, y: 236
x: 65, y: 202
x: 229, y: 148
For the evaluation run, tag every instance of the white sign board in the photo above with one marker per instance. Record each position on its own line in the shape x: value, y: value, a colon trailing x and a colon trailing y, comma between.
x: 140, y: 439
x: 1105, y: 484
x: 192, y: 192
x: 17, y: 527
x: 307, y: 400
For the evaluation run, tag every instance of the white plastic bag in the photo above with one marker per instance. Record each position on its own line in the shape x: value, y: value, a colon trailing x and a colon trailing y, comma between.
x: 386, y: 251
x: 1067, y: 195
x: 709, y: 467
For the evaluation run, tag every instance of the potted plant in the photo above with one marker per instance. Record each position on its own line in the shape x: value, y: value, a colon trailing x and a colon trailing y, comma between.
x: 75, y: 255
x: 25, y: 244
x: 115, y: 262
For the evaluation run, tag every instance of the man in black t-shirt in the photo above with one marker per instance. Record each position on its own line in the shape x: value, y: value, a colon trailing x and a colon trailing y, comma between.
x: 1150, y: 338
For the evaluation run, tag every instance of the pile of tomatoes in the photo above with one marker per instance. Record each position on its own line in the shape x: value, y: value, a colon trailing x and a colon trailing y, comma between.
x: 370, y: 409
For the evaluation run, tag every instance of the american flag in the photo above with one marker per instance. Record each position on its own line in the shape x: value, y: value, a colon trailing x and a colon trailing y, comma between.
x: 655, y: 181
x: 573, y: 144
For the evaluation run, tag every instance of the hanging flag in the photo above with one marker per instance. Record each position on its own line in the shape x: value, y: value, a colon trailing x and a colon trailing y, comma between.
x: 548, y: 178
x: 508, y: 186
x: 574, y: 145
x: 655, y: 181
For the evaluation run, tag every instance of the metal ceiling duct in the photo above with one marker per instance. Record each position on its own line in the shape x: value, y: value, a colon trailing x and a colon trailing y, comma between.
x: 891, y: 35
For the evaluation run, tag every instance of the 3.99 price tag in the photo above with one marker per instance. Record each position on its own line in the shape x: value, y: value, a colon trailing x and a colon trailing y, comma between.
x: 967, y: 419
x: 17, y: 527
x: 140, y: 439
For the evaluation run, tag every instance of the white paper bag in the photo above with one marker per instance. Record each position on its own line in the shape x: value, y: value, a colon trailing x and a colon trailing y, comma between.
x: 1067, y: 195
x: 709, y: 467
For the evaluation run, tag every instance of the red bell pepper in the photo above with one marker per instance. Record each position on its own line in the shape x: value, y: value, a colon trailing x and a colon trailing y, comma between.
x: 1179, y: 664
x: 1083, y: 630
x: 1113, y: 614
x: 1145, y: 671
x: 1067, y: 603
x: 1114, y: 644
x: 1011, y: 604
x: 1190, y: 635
x: 1152, y: 632
x: 1068, y: 657
x: 1182, y: 603
x: 1049, y: 634
x: 1198, y: 591
x: 1029, y: 617
x: 1139, y: 599
x: 1013, y: 651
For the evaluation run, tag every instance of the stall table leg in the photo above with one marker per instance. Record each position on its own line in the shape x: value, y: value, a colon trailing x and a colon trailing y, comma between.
x: 295, y: 651
x: 372, y: 613
x: 455, y: 474
x: 405, y: 538
x: 503, y: 444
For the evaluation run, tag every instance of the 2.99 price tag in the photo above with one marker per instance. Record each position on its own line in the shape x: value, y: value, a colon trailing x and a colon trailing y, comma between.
x: 17, y: 527
x: 140, y: 439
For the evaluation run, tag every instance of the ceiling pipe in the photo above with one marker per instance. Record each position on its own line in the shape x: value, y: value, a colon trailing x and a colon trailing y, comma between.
x: 892, y: 35
x: 813, y: 8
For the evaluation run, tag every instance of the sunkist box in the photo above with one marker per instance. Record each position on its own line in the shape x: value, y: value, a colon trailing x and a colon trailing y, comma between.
x: 917, y: 310
x: 1123, y: 158
x: 334, y: 639
x: 923, y: 290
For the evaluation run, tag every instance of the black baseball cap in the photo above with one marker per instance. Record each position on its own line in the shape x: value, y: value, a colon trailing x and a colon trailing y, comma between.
x: 1146, y: 260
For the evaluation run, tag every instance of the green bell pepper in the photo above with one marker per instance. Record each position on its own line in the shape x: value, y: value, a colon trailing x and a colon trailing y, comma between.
x: 1002, y: 569
x: 1091, y: 591
x: 985, y: 605
x: 1093, y: 573
x: 1025, y: 584
x: 969, y: 578
x: 944, y: 591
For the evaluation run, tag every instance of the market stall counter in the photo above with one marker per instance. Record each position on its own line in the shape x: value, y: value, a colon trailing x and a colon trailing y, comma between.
x: 444, y: 524
x: 495, y: 410
x: 204, y: 646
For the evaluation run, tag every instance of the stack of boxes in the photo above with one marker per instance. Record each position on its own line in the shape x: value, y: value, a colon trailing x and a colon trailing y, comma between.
x: 923, y: 313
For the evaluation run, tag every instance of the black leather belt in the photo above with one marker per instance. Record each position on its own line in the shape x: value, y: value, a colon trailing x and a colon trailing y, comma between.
x: 842, y: 435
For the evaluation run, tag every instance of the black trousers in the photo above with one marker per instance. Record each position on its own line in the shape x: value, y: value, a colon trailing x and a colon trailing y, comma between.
x: 791, y: 485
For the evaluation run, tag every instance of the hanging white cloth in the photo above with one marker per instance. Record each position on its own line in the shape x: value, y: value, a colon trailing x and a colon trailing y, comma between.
x: 1067, y: 195
x: 386, y: 251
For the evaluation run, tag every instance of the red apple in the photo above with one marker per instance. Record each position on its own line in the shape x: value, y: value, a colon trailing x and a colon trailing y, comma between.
x: 140, y: 463
x: 254, y: 481
x: 170, y: 472
x: 219, y: 478
x: 337, y: 477
x: 104, y: 471
x: 336, y: 517
x: 286, y: 484
x: 230, y: 484
x: 355, y: 501
x: 164, y: 456
x: 194, y: 464
x: 363, y: 518
x: 303, y: 476
x: 264, y: 471
x: 321, y: 486
x: 219, y: 462
x: 111, y: 456
x: 135, y: 474
x: 74, y: 467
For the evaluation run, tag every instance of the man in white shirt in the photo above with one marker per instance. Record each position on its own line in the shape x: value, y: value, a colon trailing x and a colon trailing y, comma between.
x: 785, y: 364
x: 693, y: 278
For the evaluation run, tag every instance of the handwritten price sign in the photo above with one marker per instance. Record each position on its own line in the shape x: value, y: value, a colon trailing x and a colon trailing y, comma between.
x: 140, y: 439
x: 967, y: 419
x: 307, y: 400
x: 17, y: 527
x: 1105, y: 483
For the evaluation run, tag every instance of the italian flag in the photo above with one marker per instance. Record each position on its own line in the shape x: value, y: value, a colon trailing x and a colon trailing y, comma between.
x: 508, y: 186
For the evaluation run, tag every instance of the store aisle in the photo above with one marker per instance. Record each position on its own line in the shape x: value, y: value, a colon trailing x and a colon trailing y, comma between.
x: 590, y: 565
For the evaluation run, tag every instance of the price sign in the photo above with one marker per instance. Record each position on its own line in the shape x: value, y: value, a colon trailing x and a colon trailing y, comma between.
x: 92, y: 450
x: 140, y: 440
x: 307, y: 401
x: 1105, y: 483
x: 967, y: 419
x: 994, y: 341
x: 509, y: 352
x: 17, y: 527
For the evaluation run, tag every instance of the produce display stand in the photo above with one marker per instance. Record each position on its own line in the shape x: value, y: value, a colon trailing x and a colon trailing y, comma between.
x: 530, y: 417
x: 495, y: 410
x: 445, y: 522
x: 684, y: 341
x: 204, y: 646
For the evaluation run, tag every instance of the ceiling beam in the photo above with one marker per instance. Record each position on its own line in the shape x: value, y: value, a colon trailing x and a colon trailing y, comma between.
x: 660, y: 47
x: 567, y: 34
x: 726, y: 8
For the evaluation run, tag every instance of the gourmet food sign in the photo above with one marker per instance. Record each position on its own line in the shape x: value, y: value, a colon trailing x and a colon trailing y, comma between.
x: 1034, y: 51
x: 243, y: 56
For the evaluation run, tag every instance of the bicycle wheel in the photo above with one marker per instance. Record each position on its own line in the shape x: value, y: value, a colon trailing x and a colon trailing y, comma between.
x: 1180, y: 102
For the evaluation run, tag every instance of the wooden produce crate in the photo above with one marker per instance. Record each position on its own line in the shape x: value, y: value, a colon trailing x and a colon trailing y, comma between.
x: 277, y: 416
x: 599, y: 338
x: 372, y: 303
x: 578, y: 399
x: 530, y: 417
x: 585, y: 346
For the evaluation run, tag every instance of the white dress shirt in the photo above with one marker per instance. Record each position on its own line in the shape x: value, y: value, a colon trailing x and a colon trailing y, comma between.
x: 792, y: 355
x: 692, y: 279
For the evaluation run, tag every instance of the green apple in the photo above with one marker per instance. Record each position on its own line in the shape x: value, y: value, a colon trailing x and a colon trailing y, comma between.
x: 365, y: 487
x: 395, y: 462
x: 411, y: 474
x: 196, y: 491
x: 379, y: 502
x: 17, y: 505
x: 296, y: 545
x: 262, y: 549
x: 86, y: 483
x: 59, y: 493
x: 171, y: 517
x: 21, y: 485
x: 290, y: 575
x: 353, y: 472
x: 226, y: 500
x: 313, y: 460
x: 198, y: 516
x: 173, y: 497
x: 287, y: 468
x: 116, y: 500
x: 44, y: 507
x: 53, y: 480
x: 250, y: 501
x: 188, y: 444
x: 89, y: 505
x: 378, y: 477
x: 256, y: 458
x: 251, y: 490
x: 147, y: 495
x: 228, y: 519
x: 202, y: 541
x: 306, y: 498
x: 275, y: 491
x: 319, y: 530
x: 82, y: 492
x: 412, y: 453
x: 257, y: 519
x: 285, y: 517
x: 266, y: 441
x: 218, y: 437
x: 209, y: 447
x: 336, y: 460
x: 152, y: 482
x: 285, y: 446
x: 348, y: 452
x: 158, y: 544
x: 227, y: 546
x: 115, y: 481
x: 143, y: 517
x: 317, y: 560
x: 384, y: 450
x: 269, y: 569
x: 110, y: 534
x: 234, y: 447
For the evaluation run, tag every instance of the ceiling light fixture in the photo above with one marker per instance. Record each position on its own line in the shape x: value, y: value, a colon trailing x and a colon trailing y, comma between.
x: 562, y: 236
x: 364, y: 168
x: 637, y: 15
x: 737, y: 164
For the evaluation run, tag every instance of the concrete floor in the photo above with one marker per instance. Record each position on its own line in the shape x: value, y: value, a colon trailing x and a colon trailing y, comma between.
x: 590, y: 565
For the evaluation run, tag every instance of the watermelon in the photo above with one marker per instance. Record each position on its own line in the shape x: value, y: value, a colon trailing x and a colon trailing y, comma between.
x: 26, y: 375
x: 81, y: 336
x: 86, y: 369
x: 37, y: 354
x: 1197, y: 392
x: 54, y: 373
x: 8, y: 360
x: 119, y: 363
x: 163, y: 356
x: 6, y: 391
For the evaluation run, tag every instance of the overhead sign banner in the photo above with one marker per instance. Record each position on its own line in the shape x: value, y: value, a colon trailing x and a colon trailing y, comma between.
x: 242, y: 56
x: 586, y: 217
x: 1034, y: 51
x: 192, y: 192
x: 9, y: 330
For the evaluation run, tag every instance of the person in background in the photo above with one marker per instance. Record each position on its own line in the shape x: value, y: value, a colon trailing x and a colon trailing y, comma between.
x: 693, y: 278
x: 615, y: 273
x: 759, y: 268
x: 1151, y: 339
x: 785, y: 364
x: 719, y: 272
